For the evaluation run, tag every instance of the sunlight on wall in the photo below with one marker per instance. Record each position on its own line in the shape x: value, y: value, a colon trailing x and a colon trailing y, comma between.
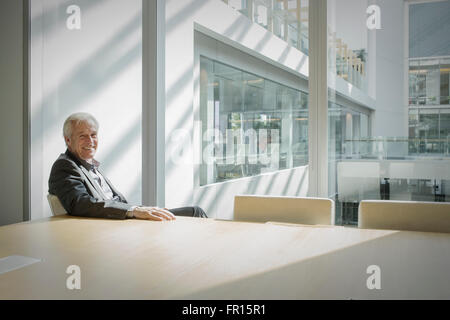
x: 95, y: 69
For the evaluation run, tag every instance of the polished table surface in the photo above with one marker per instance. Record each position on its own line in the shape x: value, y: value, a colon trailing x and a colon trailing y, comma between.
x: 210, y: 259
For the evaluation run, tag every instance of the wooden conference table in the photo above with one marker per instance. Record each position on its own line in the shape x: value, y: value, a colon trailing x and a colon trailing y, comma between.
x: 210, y: 259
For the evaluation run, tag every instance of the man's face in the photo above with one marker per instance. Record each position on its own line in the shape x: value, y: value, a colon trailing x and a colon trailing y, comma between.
x: 83, y: 142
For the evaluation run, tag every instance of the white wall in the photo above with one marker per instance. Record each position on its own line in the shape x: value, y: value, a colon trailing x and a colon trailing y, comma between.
x: 96, y: 69
x: 11, y: 111
x: 218, y: 199
x: 389, y: 119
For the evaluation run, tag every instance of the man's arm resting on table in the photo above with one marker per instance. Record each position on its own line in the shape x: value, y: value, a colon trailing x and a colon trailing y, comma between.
x: 66, y: 182
x: 130, y: 214
x: 150, y: 213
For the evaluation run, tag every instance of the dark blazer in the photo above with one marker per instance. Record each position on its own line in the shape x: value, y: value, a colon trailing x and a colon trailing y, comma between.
x: 71, y: 182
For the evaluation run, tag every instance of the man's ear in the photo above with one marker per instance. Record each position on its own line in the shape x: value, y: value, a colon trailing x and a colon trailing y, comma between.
x: 67, y: 140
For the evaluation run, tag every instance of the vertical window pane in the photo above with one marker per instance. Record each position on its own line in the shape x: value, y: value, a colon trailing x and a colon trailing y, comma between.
x: 387, y: 114
x: 257, y: 125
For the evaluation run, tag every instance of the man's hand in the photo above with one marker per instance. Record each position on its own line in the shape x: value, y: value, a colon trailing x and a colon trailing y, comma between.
x: 153, y: 213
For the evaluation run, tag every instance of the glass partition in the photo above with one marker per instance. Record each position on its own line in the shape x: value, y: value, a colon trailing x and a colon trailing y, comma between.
x: 388, y: 103
x: 250, y: 125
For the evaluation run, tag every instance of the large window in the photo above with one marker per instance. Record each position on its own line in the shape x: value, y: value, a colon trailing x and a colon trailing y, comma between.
x: 390, y: 58
x: 349, y: 132
x: 250, y: 125
x: 429, y: 81
x: 429, y: 131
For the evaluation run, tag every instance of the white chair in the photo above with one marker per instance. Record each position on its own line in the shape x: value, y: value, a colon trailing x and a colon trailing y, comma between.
x: 55, y: 205
x: 313, y: 211
x: 404, y: 215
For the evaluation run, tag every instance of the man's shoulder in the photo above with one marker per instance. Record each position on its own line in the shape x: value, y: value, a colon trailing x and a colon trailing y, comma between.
x: 63, y: 168
x: 64, y: 161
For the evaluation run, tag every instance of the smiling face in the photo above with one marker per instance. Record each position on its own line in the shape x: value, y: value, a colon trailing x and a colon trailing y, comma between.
x: 83, y: 141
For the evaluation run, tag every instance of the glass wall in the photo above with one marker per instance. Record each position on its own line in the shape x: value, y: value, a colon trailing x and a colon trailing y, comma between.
x: 250, y: 88
x: 349, y: 132
x: 429, y: 131
x: 250, y: 125
x: 429, y: 81
x: 347, y: 55
x: 402, y: 80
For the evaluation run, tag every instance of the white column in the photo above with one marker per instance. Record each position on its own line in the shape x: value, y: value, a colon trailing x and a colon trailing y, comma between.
x: 318, y: 99
x: 153, y: 96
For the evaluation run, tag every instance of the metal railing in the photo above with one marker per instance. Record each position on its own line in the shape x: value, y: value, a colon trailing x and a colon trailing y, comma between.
x: 393, y: 148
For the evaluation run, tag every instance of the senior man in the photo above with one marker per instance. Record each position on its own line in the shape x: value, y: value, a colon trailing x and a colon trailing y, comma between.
x: 85, y: 191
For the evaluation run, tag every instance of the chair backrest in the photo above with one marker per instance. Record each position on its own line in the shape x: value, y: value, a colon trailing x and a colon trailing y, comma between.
x: 284, y: 209
x: 55, y: 205
x: 404, y: 215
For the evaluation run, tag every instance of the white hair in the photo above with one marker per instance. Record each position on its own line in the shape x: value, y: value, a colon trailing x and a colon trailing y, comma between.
x: 75, y: 119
